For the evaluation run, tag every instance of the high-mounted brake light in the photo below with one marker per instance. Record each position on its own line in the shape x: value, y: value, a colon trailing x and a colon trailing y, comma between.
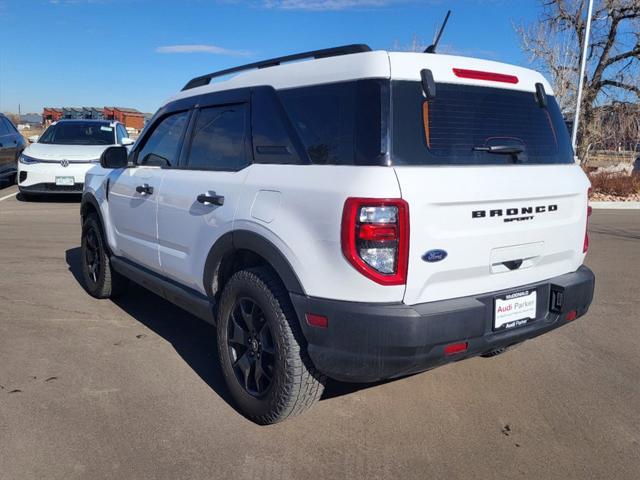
x: 375, y: 238
x: 480, y: 75
x: 585, y: 245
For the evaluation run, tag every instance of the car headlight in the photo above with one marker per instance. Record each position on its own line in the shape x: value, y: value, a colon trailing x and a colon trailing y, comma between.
x: 28, y: 160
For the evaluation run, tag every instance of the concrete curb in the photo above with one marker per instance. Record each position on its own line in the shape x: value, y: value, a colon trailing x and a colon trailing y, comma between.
x: 616, y: 205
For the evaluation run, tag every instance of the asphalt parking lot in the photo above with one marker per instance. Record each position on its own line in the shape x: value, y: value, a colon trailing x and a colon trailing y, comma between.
x: 131, y: 389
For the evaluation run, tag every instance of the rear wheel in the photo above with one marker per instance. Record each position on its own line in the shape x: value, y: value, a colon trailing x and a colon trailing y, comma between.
x: 100, y: 280
x: 262, y: 351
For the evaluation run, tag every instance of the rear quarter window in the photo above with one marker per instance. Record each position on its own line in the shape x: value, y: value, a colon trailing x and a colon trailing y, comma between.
x: 453, y: 127
x: 340, y: 123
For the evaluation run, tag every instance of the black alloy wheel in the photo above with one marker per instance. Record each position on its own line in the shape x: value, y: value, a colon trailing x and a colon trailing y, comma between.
x: 99, y: 278
x: 92, y: 254
x: 262, y: 350
x: 251, y: 347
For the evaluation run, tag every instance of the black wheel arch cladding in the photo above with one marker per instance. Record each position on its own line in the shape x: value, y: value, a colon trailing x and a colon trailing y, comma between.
x: 236, y: 241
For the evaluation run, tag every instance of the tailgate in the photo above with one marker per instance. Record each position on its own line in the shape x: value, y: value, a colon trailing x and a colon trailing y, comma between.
x: 501, y: 226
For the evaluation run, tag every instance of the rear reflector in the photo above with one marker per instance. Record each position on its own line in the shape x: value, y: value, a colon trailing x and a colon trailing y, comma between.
x: 319, y: 321
x: 480, y: 75
x: 454, y: 348
x: 572, y: 315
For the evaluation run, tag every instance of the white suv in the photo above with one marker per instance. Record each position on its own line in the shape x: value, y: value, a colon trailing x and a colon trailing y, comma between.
x: 57, y: 161
x: 361, y: 215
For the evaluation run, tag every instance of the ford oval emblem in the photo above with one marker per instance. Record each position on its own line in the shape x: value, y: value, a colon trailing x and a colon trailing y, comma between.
x: 434, y: 255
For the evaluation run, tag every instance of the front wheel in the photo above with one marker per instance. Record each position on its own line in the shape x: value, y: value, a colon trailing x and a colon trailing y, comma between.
x: 262, y: 351
x: 100, y: 280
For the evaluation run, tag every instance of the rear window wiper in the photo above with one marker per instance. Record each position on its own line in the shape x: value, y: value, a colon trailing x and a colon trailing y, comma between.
x: 500, y: 149
x: 512, y: 150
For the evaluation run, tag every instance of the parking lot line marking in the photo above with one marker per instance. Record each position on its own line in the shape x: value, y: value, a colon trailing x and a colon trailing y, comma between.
x: 8, y: 196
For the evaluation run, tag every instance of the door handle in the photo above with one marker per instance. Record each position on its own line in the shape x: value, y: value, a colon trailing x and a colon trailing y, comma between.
x: 210, y: 198
x: 145, y: 189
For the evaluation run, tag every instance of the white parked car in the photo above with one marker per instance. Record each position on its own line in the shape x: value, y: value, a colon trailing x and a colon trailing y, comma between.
x: 361, y: 215
x: 57, y: 161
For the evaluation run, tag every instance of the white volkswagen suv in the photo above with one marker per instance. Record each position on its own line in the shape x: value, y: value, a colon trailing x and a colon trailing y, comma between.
x: 360, y: 215
x: 58, y: 160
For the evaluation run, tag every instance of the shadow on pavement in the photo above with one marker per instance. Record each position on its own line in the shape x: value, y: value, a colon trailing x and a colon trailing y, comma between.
x: 615, y: 232
x: 193, y: 339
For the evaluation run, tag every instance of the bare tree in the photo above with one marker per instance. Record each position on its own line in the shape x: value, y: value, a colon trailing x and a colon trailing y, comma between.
x: 554, y: 44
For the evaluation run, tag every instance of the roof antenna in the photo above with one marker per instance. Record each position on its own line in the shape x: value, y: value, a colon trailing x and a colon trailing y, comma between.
x: 432, y: 48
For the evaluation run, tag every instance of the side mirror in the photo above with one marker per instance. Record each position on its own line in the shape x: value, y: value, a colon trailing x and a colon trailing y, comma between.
x: 126, y: 141
x: 33, y: 138
x: 114, y: 157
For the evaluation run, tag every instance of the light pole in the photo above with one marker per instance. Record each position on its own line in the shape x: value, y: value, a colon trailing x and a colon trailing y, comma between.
x: 583, y: 67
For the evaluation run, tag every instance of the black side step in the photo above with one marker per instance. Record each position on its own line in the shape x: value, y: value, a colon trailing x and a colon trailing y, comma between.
x: 181, y: 296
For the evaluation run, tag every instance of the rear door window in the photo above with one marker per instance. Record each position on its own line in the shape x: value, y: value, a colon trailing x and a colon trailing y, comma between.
x: 219, y: 138
x: 470, y: 125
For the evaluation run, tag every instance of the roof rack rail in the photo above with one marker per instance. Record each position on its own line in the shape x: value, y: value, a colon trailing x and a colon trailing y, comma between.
x: 327, y: 52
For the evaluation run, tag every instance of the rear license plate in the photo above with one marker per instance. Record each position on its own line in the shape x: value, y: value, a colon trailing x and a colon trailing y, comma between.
x: 514, y: 310
x: 65, y: 181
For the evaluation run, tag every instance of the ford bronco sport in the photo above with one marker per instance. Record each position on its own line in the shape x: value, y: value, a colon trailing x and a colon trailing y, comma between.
x: 347, y: 213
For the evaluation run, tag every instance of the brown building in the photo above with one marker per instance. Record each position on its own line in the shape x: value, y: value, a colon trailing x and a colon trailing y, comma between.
x: 131, y: 117
x: 50, y: 115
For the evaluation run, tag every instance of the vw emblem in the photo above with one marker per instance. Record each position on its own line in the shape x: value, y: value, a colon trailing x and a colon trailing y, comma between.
x: 64, y: 163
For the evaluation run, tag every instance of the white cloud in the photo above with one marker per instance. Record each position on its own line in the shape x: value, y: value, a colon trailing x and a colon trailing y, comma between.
x: 211, y: 49
x: 318, y: 5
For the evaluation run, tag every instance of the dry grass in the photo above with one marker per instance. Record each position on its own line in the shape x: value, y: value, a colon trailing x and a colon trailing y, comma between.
x: 619, y: 184
x: 34, y: 131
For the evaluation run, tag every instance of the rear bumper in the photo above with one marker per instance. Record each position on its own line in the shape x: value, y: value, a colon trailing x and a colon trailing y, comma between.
x: 367, y: 342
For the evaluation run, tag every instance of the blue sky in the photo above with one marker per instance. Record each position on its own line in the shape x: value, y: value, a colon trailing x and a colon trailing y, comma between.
x: 136, y: 53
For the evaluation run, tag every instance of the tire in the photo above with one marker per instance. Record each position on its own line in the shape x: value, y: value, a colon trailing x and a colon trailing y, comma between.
x: 287, y: 383
x: 100, y: 280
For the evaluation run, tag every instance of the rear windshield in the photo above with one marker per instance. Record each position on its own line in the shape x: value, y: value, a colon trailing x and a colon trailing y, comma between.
x: 469, y: 125
x: 79, y: 133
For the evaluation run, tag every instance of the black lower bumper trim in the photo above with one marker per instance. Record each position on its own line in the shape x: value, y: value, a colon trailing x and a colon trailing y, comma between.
x: 48, y: 188
x: 371, y: 342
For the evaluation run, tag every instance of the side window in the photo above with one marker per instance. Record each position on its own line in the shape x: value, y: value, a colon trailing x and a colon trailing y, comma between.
x: 340, y: 123
x: 10, y: 126
x: 4, y: 128
x: 162, y: 147
x: 218, y: 140
x: 274, y: 139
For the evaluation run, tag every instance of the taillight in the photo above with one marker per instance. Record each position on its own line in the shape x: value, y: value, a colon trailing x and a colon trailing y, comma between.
x: 585, y: 245
x: 375, y: 238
